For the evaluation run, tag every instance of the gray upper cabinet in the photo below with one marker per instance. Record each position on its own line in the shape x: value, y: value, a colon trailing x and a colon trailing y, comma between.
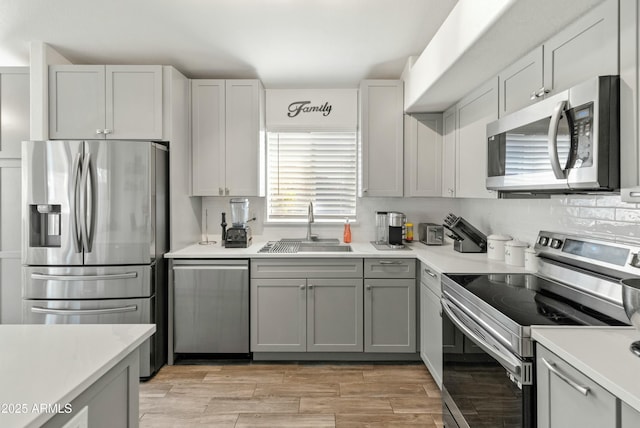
x: 390, y: 305
x: 520, y: 82
x: 568, y: 398
x: 586, y: 48
x: 105, y: 102
x: 473, y: 113
x: 14, y: 110
x: 381, y: 137
x: 423, y: 155
x: 227, y: 136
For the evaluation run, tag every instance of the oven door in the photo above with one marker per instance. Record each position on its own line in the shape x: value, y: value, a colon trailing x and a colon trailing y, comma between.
x: 484, y: 386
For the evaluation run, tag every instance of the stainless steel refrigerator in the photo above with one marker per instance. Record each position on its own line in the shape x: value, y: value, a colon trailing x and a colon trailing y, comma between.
x: 95, y: 229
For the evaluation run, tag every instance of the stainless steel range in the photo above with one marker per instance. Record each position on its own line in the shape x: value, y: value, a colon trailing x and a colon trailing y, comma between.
x: 489, y: 379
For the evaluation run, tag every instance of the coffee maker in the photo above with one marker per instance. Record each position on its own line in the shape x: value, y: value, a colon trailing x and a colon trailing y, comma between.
x: 239, y: 234
x: 396, y: 229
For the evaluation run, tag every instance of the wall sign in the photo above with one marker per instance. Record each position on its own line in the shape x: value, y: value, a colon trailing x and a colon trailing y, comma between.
x: 312, y: 109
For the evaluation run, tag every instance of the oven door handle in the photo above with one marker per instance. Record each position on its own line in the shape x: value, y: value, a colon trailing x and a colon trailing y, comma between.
x: 497, y: 351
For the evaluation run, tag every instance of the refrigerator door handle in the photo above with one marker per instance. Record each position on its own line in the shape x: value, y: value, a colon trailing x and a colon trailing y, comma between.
x: 41, y: 310
x: 75, y: 227
x: 86, y: 239
x: 45, y: 277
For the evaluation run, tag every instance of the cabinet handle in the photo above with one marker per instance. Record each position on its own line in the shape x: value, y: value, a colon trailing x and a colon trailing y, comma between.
x: 431, y: 274
x: 108, y: 131
x: 99, y: 131
x: 584, y: 390
x: 310, y: 286
x: 368, y: 287
x: 226, y: 191
x: 365, y: 190
x: 302, y: 287
x: 539, y: 93
x: 390, y: 262
x: 220, y: 191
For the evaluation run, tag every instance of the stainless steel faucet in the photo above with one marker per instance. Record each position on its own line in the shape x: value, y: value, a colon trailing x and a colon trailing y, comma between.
x: 310, y: 236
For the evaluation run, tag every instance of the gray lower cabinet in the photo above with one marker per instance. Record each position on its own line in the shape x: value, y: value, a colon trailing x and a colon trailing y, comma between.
x: 299, y: 305
x: 390, y: 305
x: 567, y: 398
x: 431, y: 321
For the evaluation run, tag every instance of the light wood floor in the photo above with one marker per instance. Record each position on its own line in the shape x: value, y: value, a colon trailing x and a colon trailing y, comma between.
x: 291, y: 395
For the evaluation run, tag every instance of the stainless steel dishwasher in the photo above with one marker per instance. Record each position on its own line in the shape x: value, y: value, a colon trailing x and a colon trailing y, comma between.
x: 209, y: 307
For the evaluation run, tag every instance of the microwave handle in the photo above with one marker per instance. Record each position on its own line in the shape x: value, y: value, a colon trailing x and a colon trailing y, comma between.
x: 558, y: 171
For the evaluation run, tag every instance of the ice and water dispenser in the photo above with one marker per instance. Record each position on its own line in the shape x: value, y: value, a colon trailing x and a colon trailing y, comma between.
x: 44, y: 226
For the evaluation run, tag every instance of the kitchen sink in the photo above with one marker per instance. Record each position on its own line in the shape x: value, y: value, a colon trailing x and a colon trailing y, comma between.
x: 307, y: 248
x: 292, y: 246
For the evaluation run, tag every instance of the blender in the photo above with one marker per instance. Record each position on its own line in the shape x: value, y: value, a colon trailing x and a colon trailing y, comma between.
x: 239, y: 234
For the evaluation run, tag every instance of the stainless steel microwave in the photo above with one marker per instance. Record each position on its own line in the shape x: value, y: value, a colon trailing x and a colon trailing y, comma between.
x: 566, y: 143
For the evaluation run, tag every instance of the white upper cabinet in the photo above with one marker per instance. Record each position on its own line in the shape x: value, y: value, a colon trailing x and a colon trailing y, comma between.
x: 473, y: 113
x: 521, y: 82
x: 449, y: 152
x: 227, y: 137
x: 586, y: 48
x: 381, y: 139
x: 423, y: 155
x: 112, y: 102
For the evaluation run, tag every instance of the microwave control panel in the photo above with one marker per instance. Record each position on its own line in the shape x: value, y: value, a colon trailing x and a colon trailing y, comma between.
x: 582, y: 135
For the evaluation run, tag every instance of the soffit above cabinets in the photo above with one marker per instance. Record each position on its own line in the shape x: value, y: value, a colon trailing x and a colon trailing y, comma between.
x: 284, y: 43
x: 476, y: 41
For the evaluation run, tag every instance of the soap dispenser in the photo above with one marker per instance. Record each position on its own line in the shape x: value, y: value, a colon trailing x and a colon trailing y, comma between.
x: 347, y: 232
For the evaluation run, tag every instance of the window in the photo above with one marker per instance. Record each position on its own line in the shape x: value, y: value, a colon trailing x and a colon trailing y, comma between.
x: 318, y: 167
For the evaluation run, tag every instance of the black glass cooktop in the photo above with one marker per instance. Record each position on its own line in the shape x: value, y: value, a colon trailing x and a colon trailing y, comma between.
x: 524, y: 299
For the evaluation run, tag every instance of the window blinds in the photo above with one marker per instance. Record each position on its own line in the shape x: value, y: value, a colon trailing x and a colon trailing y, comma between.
x: 318, y: 167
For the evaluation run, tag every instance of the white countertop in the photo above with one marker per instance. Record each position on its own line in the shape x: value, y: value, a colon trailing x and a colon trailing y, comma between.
x: 601, y: 353
x: 442, y: 258
x: 49, y: 364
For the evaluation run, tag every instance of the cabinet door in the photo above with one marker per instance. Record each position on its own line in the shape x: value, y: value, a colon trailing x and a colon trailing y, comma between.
x: 521, y: 82
x: 568, y: 398
x: 133, y: 102
x: 14, y: 110
x: 381, y: 128
x: 431, y: 332
x: 450, y: 128
x: 586, y: 48
x: 76, y: 101
x: 243, y: 143
x: 208, y: 137
x: 474, y: 112
x: 389, y: 315
x: 334, y: 315
x: 630, y: 417
x: 278, y: 315
x: 423, y: 155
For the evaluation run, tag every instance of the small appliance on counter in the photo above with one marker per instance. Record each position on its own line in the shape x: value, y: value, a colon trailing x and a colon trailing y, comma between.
x: 431, y: 233
x: 396, y: 229
x: 467, y: 239
x: 239, y: 234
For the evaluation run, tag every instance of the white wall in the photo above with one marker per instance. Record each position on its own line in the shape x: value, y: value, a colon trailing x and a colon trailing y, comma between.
x: 602, y: 216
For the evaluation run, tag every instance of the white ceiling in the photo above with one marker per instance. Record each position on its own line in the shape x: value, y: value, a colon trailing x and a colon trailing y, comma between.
x: 285, y: 43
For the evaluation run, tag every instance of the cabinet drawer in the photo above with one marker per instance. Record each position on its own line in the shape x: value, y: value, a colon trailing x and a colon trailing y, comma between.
x: 389, y: 268
x: 431, y: 278
x: 306, y: 268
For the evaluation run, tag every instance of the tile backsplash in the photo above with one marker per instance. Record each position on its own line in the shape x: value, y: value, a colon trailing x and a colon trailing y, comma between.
x: 602, y: 216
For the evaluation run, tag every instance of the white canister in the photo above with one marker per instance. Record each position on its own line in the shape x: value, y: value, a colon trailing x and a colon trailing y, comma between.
x: 495, y: 246
x: 514, y: 252
x: 530, y: 260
